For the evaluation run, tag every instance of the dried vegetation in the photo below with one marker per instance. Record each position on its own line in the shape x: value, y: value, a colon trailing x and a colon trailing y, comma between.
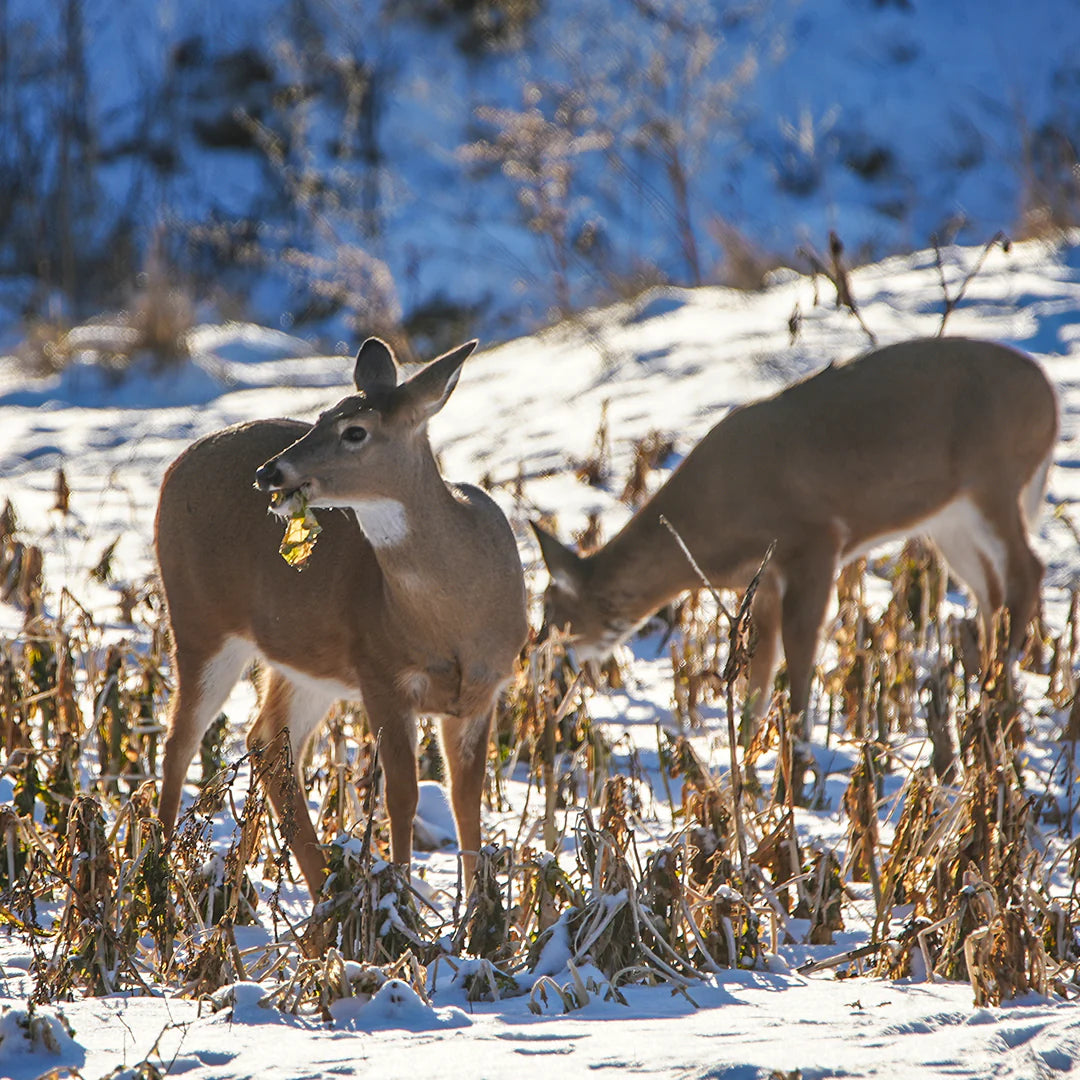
x: 943, y: 867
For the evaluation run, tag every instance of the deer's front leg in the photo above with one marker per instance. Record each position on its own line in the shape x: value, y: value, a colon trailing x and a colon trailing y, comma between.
x: 464, y: 742
x: 766, y: 612
x: 393, y: 723
x: 809, y: 574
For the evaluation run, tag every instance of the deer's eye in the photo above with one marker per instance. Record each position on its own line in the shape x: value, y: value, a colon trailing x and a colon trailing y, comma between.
x: 354, y: 434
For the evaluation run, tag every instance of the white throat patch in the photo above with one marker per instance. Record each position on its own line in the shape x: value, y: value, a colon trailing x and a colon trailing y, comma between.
x: 383, y: 520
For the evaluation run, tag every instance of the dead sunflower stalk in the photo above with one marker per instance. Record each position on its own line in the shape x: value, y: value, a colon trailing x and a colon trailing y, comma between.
x: 318, y: 982
x: 368, y: 908
x: 614, y: 928
x: 485, y: 925
x: 87, y: 954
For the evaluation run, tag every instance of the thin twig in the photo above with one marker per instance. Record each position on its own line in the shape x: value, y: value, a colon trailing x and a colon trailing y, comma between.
x: 953, y: 302
x: 697, y: 569
x: 838, y: 276
x: 735, y: 661
x: 736, y: 655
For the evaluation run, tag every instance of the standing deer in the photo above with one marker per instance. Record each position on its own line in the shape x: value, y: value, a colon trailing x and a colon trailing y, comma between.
x: 413, y: 598
x: 946, y: 438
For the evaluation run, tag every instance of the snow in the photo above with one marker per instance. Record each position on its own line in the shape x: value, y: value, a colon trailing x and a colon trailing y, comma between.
x: 433, y: 825
x: 744, y: 1027
x: 675, y: 360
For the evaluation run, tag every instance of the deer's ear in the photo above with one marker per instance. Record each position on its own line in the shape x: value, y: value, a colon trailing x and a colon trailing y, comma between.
x: 427, y: 391
x: 563, y: 564
x: 376, y: 367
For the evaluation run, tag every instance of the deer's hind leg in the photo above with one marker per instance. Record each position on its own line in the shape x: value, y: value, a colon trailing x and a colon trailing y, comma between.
x: 975, y: 555
x: 985, y: 543
x: 1022, y: 573
x: 204, y: 679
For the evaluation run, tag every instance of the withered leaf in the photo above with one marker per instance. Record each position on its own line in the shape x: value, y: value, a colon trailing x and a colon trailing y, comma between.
x: 300, y: 535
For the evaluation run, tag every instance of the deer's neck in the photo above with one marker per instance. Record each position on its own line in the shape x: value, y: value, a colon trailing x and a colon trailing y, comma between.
x: 638, y: 571
x: 384, y: 521
x: 418, y: 539
x: 645, y: 566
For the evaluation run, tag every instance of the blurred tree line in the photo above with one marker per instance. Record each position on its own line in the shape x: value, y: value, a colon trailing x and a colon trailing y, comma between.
x: 434, y: 169
x: 322, y: 159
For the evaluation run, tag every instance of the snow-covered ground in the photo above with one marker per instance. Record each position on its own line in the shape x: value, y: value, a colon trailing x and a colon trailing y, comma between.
x: 674, y: 361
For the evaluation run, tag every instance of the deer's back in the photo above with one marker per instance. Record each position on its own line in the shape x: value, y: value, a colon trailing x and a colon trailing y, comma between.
x: 909, y: 426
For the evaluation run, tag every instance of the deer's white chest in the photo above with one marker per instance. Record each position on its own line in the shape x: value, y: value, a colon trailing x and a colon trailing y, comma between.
x: 384, y: 521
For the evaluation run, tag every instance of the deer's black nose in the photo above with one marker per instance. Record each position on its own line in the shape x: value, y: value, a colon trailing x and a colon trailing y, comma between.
x: 268, y: 476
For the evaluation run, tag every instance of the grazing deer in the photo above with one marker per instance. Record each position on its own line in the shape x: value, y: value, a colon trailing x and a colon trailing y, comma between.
x: 413, y: 598
x: 946, y: 438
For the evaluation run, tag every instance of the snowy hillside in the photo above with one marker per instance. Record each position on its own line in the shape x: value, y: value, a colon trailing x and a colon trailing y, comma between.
x: 322, y: 164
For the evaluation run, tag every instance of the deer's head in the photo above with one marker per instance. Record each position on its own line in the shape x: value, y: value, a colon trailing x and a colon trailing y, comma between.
x: 370, y: 451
